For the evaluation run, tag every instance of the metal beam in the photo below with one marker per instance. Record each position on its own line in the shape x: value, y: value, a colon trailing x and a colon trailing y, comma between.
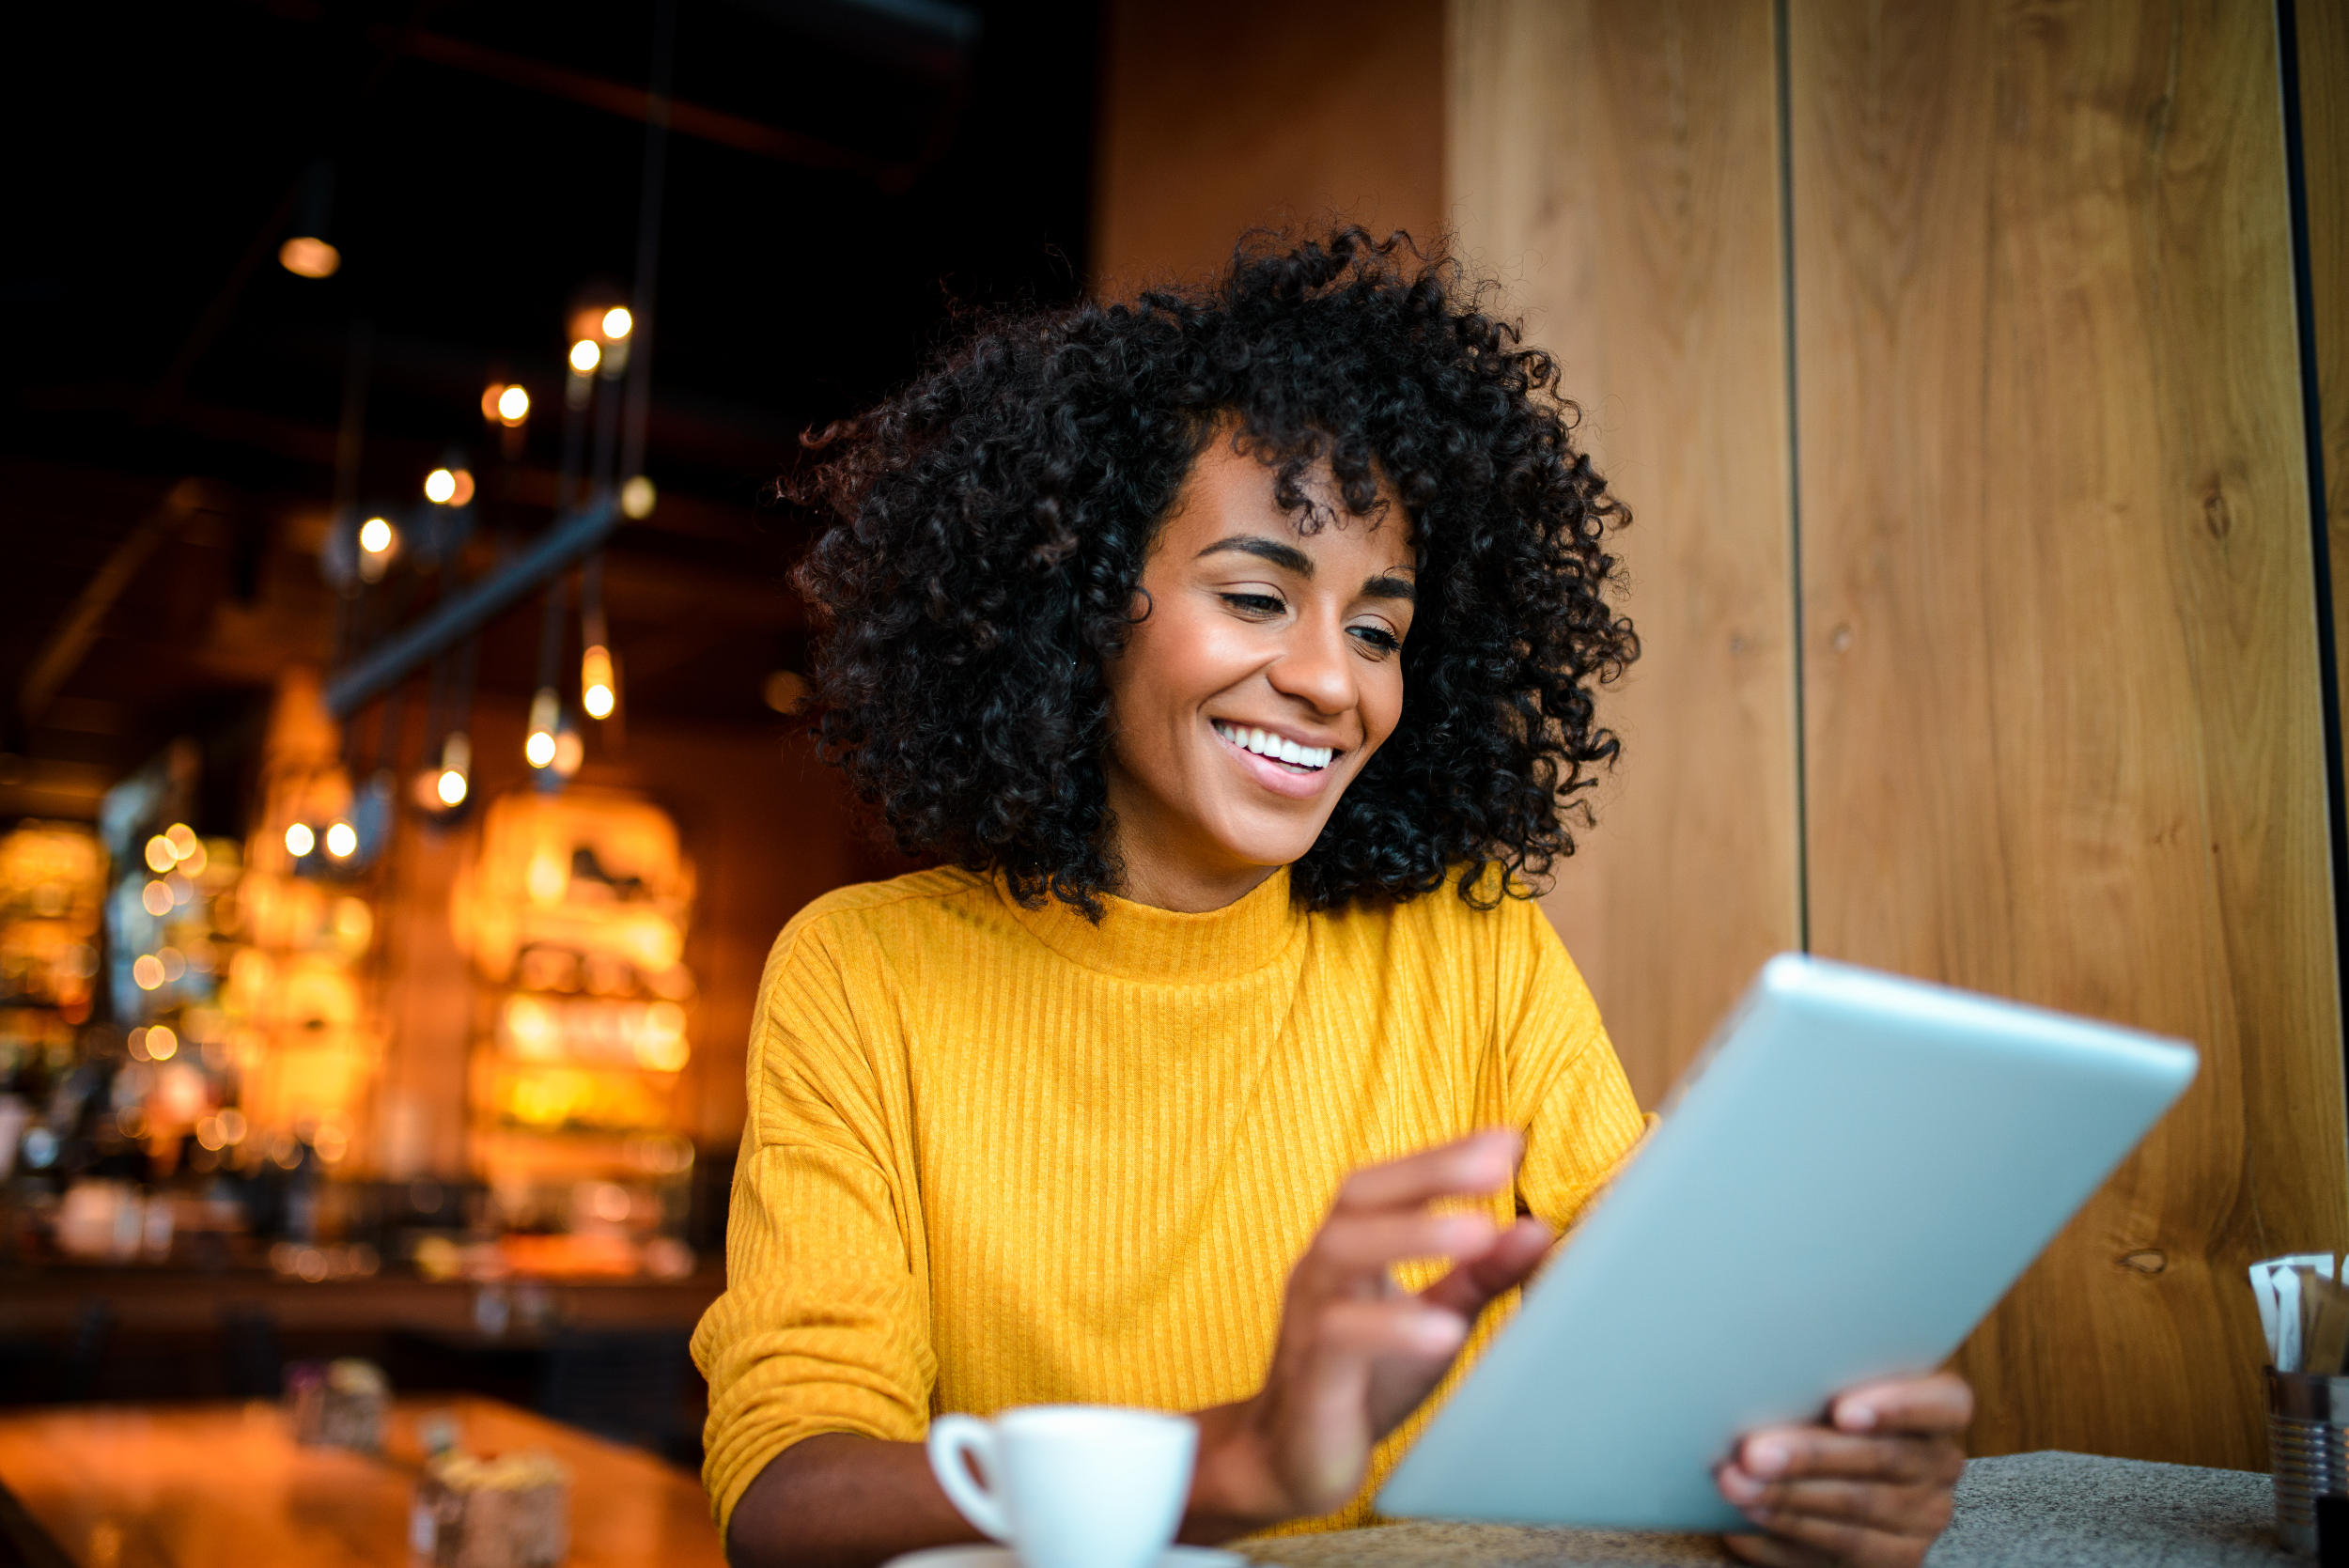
x: 463, y: 613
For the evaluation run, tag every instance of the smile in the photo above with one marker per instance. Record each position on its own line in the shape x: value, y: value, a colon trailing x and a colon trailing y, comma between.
x: 1277, y: 748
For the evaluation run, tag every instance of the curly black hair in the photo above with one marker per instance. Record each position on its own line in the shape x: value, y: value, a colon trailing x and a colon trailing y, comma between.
x: 992, y: 518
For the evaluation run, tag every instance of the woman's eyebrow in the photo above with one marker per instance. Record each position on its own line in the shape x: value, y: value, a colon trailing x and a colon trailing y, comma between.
x: 1286, y: 556
x: 1391, y: 588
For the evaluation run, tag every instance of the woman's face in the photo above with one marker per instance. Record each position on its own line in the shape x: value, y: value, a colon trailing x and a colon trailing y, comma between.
x: 1266, y: 671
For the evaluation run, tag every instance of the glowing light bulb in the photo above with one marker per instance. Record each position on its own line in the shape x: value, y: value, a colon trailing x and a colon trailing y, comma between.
x: 300, y: 841
x: 616, y: 322
x: 309, y: 256
x: 637, y: 497
x: 183, y: 840
x: 147, y: 972
x: 451, y: 787
x: 585, y: 356
x: 159, y: 856
x: 545, y: 710
x: 439, y: 487
x: 513, y: 405
x: 161, y: 1044
x: 594, y: 683
x: 342, y: 841
x: 375, y: 536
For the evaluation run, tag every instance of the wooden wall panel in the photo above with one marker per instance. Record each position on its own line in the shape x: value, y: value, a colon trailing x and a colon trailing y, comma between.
x: 2323, y: 26
x: 1617, y: 168
x: 1218, y: 116
x: 2063, y: 733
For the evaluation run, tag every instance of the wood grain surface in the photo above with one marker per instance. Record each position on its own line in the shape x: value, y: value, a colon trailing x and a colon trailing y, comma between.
x: 2064, y: 731
x: 1616, y: 167
x: 1219, y: 115
x: 2323, y: 26
x: 226, y: 1486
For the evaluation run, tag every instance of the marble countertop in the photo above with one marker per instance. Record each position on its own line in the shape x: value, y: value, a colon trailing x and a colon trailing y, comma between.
x: 2025, y: 1510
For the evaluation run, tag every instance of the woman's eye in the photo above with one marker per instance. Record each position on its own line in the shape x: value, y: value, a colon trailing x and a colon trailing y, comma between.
x: 1254, y: 604
x: 1377, y: 636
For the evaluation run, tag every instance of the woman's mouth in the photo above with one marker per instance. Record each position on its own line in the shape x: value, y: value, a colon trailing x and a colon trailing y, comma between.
x: 1277, y: 750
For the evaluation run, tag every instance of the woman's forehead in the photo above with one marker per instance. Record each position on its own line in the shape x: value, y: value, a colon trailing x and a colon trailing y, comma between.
x: 1232, y: 493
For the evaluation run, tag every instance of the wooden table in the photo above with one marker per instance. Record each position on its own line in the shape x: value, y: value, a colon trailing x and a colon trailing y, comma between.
x: 226, y: 1486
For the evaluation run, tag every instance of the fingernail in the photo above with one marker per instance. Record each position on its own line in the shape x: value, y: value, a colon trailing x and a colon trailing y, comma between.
x: 1856, y: 1418
x: 1441, y: 1331
x: 1739, y: 1488
x: 1767, y: 1457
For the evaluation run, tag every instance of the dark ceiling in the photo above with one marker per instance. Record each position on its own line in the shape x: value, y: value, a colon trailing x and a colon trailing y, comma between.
x: 842, y: 176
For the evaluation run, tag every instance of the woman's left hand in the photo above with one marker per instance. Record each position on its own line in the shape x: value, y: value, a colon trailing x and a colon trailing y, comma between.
x: 1872, y: 1488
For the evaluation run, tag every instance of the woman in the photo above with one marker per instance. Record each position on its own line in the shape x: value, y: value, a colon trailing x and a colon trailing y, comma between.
x: 1234, y: 652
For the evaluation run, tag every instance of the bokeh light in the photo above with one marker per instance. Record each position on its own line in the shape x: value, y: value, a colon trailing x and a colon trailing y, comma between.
x: 309, y: 256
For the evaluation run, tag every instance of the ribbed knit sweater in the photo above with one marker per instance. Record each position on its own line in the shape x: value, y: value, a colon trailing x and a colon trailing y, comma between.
x: 999, y: 1156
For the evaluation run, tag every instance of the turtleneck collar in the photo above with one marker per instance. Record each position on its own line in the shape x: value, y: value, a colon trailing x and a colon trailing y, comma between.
x: 1136, y: 941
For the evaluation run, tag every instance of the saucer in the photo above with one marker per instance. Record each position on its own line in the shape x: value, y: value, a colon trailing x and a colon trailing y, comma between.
x: 1003, y: 1557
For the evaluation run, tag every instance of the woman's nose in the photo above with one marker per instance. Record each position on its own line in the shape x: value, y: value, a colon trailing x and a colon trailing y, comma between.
x: 1315, y: 668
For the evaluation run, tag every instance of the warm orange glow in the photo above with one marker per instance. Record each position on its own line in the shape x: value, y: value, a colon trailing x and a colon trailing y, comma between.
x: 540, y: 749
x: 183, y: 840
x: 307, y: 257
x: 174, y: 962
x: 342, y: 841
x: 375, y: 536
x: 300, y: 840
x: 585, y: 356
x: 638, y: 497
x: 155, y: 898
x: 513, y: 406
x: 161, y: 1044
x: 616, y: 322
x: 451, y: 787
x: 147, y: 971
x: 159, y: 856
x: 594, y: 683
x: 439, y: 487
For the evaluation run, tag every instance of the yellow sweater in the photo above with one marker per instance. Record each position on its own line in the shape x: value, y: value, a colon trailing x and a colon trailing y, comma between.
x: 1002, y: 1156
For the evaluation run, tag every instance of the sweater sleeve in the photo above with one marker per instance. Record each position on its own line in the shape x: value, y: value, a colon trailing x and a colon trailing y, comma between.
x: 1566, y: 1087
x: 824, y: 1323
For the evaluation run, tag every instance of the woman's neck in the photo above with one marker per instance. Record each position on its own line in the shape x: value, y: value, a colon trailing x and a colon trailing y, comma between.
x: 1188, y: 890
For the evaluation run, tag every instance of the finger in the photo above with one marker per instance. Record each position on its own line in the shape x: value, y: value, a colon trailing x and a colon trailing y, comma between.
x: 1942, y: 1403
x: 1483, y: 1163
x: 1848, y: 1544
x: 1367, y: 1331
x: 1349, y: 1247
x: 1513, y: 1255
x: 1797, y: 1452
x: 1920, y: 1508
x: 1775, y: 1552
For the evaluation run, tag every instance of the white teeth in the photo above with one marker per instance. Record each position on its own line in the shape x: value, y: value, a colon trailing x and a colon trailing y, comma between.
x: 1264, y: 743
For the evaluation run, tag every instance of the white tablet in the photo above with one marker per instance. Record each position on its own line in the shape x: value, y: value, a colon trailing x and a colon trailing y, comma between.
x: 1844, y: 1183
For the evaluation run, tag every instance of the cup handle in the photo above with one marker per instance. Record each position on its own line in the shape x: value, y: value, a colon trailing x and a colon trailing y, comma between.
x: 953, y: 1438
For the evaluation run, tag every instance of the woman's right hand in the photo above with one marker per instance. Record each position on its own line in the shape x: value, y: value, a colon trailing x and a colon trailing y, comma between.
x: 1356, y: 1353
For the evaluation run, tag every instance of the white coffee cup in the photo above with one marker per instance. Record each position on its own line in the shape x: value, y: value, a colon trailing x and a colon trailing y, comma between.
x: 1070, y: 1485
